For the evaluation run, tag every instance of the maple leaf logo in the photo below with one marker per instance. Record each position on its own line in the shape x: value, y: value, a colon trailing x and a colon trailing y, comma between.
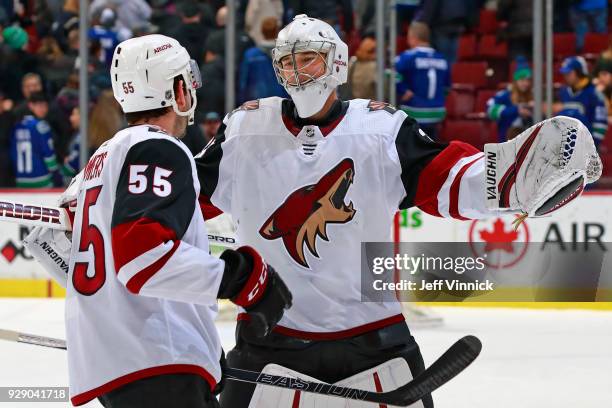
x: 499, y: 238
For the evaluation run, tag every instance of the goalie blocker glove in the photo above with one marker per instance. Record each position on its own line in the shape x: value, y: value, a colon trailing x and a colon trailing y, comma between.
x: 542, y: 169
x: 254, y: 285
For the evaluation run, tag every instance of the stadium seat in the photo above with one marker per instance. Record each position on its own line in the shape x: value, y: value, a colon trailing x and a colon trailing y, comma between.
x: 489, y: 47
x: 401, y: 44
x: 469, y: 131
x: 557, y: 76
x: 482, y: 97
x: 488, y: 23
x: 474, y: 73
x: 491, y: 132
x: 466, y: 49
x: 595, y: 43
x: 564, y: 45
x: 459, y: 103
x: 606, y: 145
x: 606, y: 159
x: 497, y: 72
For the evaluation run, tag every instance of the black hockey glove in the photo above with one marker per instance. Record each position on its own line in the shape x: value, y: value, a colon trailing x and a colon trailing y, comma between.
x: 251, y: 283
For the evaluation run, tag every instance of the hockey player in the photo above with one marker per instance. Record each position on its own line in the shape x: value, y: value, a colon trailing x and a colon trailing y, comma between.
x: 31, y: 148
x: 141, y: 285
x: 308, y: 179
x: 423, y: 80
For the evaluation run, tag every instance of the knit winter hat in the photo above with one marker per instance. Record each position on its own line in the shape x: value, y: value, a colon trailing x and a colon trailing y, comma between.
x: 522, y: 70
x: 15, y: 37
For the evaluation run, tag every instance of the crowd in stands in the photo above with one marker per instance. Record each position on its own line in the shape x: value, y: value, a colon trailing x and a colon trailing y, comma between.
x: 464, y: 68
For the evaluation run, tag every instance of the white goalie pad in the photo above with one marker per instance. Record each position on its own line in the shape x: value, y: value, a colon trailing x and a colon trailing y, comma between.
x: 385, y: 377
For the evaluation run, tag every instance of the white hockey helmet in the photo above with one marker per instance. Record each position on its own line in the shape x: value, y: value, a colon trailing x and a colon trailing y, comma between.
x: 306, y: 34
x: 143, y: 72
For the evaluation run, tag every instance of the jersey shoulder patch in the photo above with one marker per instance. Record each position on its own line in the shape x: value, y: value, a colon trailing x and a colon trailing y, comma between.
x: 375, y: 106
x: 247, y: 106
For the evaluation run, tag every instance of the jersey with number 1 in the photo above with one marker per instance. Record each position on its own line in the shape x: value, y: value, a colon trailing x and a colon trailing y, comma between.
x: 426, y: 73
x: 142, y: 287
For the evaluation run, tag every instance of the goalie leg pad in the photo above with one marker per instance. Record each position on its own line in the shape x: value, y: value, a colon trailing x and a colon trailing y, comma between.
x: 384, y: 377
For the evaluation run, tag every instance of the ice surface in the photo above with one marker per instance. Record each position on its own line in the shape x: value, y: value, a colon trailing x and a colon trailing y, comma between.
x: 530, y: 358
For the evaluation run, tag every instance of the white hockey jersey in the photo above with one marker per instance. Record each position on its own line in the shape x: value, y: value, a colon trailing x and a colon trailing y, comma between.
x: 307, y: 196
x: 142, y: 287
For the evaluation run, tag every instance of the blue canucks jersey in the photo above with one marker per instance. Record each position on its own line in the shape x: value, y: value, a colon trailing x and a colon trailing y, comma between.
x: 426, y: 73
x: 501, y: 109
x: 32, y: 153
x: 108, y: 41
x: 587, y: 105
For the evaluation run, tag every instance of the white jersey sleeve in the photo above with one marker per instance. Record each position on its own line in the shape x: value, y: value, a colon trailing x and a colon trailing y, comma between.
x: 444, y: 180
x: 216, y: 164
x: 154, y: 206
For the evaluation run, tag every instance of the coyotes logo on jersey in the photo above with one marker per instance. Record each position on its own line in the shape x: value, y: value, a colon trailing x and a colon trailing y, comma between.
x: 304, y: 215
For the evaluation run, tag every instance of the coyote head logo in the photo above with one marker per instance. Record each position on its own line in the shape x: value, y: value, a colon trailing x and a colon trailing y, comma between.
x: 306, y: 212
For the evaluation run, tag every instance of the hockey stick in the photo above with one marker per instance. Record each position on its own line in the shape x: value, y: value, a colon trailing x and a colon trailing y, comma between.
x: 18, y: 337
x: 35, y: 215
x: 446, y: 367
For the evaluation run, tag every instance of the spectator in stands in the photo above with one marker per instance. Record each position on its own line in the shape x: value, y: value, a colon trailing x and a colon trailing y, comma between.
x: 603, y: 74
x: 326, y: 10
x: 518, y: 31
x: 513, y: 108
x: 31, y: 148
x: 15, y: 58
x: 32, y: 83
x: 580, y: 99
x: 243, y: 41
x: 66, y: 21
x: 105, y: 120
x: 68, y: 97
x: 130, y: 14
x: 256, y: 12
x: 423, y: 80
x: 191, y: 33
x: 448, y: 19
x: 257, y: 78
x: 7, y: 118
x: 211, y: 96
x: 362, y: 70
x: 104, y: 32
x: 210, y: 124
x: 54, y: 65
x: 365, y: 14
x: 606, y: 56
x: 72, y: 163
x: 588, y: 16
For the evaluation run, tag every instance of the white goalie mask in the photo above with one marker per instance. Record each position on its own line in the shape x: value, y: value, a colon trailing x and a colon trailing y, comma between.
x: 305, y: 34
x: 143, y: 71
